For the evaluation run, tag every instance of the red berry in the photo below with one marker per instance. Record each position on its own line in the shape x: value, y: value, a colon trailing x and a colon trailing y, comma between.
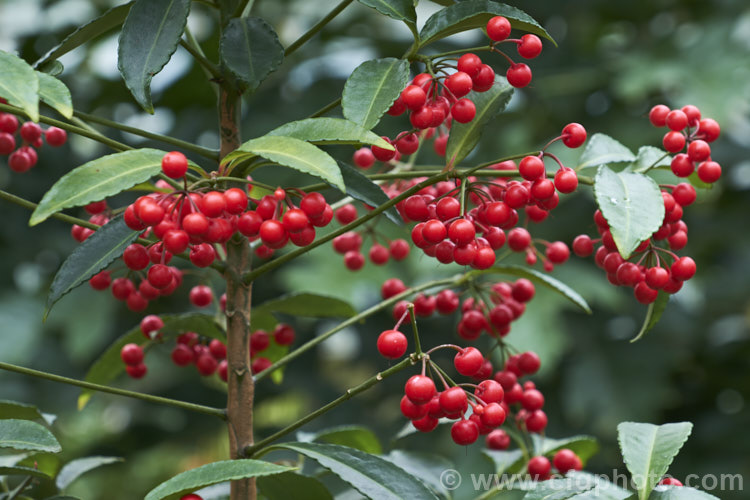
x: 709, y: 172
x: 497, y: 440
x: 683, y: 269
x: 202, y: 255
x: 645, y: 294
x: 122, y: 288
x: 201, y: 295
x: 412, y: 411
x: 354, y: 260
x: 573, y: 135
x: 558, y: 252
x: 518, y: 239
x: 682, y: 165
x: 378, y: 254
x: 206, y: 364
x: 459, y: 84
x: 273, y: 234
x: 453, y: 401
x: 469, y: 64
x: 566, y: 460
x: 346, y: 214
x: 461, y: 232
x: 174, y: 165
x: 519, y: 75
x: 670, y: 481
x: 493, y: 415
x: 101, y: 280
x: 539, y: 467
x: 489, y: 391
x: 420, y: 389
x: 235, y: 200
x: 313, y: 204
x: 283, y: 334
x: 135, y: 257
x: 363, y: 158
x: 676, y: 120
x: 529, y: 362
x: 218, y: 349
x: 464, y: 432
x: 684, y: 194
x: 383, y: 154
x: 392, y: 344
x: 182, y: 355
x: 484, y: 79
x: 407, y: 144
x: 532, y: 400
x: 673, y: 141
x: 260, y: 364
x: 463, y: 111
x: 425, y: 424
x: 699, y: 150
x: 468, y: 361
x: 136, y: 371
x: 414, y: 97
x: 709, y: 129
x: 530, y: 46
x: 31, y: 132
x: 55, y: 137
x: 498, y: 28
x: 531, y: 168
x: 131, y: 354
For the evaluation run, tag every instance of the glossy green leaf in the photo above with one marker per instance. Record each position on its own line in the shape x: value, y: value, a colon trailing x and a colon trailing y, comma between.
x: 603, y: 489
x: 55, y: 94
x: 21, y: 470
x: 555, y: 489
x: 217, y: 472
x: 371, y: 89
x: 427, y: 467
x: 76, y: 468
x: 19, y: 411
x: 680, y: 493
x: 109, y: 365
x: 472, y: 14
x: 583, y: 446
x: 97, y: 252
x: 52, y: 68
x: 371, y: 475
x: 464, y: 137
x: 653, y: 314
x: 649, y: 157
x: 359, y: 187
x: 148, y: 39
x: 109, y: 20
x: 251, y: 50
x: 19, y: 84
x: 632, y: 205
x: 308, y: 304
x: 292, y: 153
x: 290, y: 485
x: 98, y: 179
x: 400, y: 10
x: 510, y: 461
x: 353, y: 436
x: 325, y: 130
x: 649, y: 449
x: 541, y: 279
x: 602, y: 149
x: 27, y: 435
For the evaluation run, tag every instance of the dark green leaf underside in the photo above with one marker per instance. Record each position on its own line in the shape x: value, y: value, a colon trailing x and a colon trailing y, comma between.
x: 359, y: 187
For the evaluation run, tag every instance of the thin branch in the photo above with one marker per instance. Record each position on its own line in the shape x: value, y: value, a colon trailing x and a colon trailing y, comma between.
x: 213, y: 71
x: 216, y: 412
x: 325, y: 109
x: 318, y: 26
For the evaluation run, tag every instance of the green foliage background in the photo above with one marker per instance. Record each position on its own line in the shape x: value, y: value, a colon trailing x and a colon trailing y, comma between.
x: 614, y: 61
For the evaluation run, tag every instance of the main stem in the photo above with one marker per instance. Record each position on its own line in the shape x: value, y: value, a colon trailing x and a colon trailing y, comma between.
x: 240, y: 383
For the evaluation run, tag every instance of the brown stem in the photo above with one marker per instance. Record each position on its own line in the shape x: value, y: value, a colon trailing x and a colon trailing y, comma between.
x: 240, y: 384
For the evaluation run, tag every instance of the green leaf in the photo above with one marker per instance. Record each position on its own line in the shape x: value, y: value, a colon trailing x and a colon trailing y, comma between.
x: 107, y: 21
x: 653, y: 314
x: 400, y: 10
x: 427, y: 467
x: 76, y: 468
x: 583, y: 446
x: 371, y: 475
x: 649, y: 157
x: 292, y: 153
x: 542, y: 279
x: 325, y: 130
x: 148, y: 39
x: 109, y: 365
x: 603, y: 149
x: 55, y: 94
x: 603, y: 489
x: 371, y: 89
x: 20, y: 470
x: 27, y: 435
x: 52, y: 68
x: 632, y: 205
x: 19, y: 84
x: 505, y: 461
x: 649, y: 449
x: 98, y: 179
x: 217, y: 472
x: 20, y: 411
x: 308, y: 304
x: 97, y: 252
x: 473, y: 14
x: 465, y: 136
x: 292, y: 485
x: 679, y: 493
x: 251, y: 50
x: 353, y: 436
x: 697, y: 182
x: 555, y: 489
x: 359, y: 187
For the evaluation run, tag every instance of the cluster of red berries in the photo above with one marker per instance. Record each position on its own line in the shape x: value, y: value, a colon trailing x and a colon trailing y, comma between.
x: 687, y: 128
x: 208, y: 355
x: 564, y: 460
x: 349, y: 245
x: 31, y: 134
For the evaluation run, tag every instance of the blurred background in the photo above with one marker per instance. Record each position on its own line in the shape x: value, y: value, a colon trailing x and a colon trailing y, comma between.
x: 614, y: 61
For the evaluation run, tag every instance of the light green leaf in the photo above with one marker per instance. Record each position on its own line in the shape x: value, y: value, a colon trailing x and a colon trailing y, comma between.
x: 583, y: 446
x: 325, y: 130
x: 632, y: 205
x: 217, y: 472
x: 649, y: 157
x: 542, y: 279
x: 472, y: 14
x: 290, y: 485
x: 353, y: 436
x: 653, y: 314
x: 55, y: 94
x: 308, y: 304
x: 94, y: 254
x: 371, y: 89
x: 76, y: 468
x: 20, y: 470
x: 292, y: 153
x: 371, y: 475
x: 465, y: 136
x: 602, y: 490
x: 109, y: 20
x: 510, y: 461
x: 555, y: 489
x: 427, y: 467
x: 601, y: 149
x: 148, y: 39
x: 98, y: 179
x: 19, y: 84
x: 649, y: 449
x: 19, y: 411
x: 679, y: 493
x: 251, y: 50
x: 359, y: 187
x: 27, y: 435
x: 400, y: 10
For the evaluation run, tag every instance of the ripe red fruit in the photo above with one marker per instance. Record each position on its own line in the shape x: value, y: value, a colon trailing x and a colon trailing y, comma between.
x: 346, y: 213
x: 174, y: 165
x: 558, y: 252
x: 468, y: 361
x: 425, y: 424
x: 101, y: 280
x: 539, y: 467
x: 202, y: 255
x: 673, y: 141
x: 378, y: 254
x: 182, y: 355
x: 518, y: 239
x: 531, y: 168
x: 135, y: 257
x: 136, y: 371
x: 434, y: 231
x: 469, y: 64
x: 464, y: 432
x: 191, y: 496
x: 412, y: 411
x: 201, y: 295
x: 518, y: 75
x: 218, y: 349
x: 391, y: 287
x: 566, y: 460
x: 31, y: 132
x: 464, y: 110
x: 260, y: 364
x: 493, y: 415
x: 236, y: 200
x: 699, y: 150
x: 273, y: 234
x: 709, y: 172
x: 461, y: 232
x: 682, y: 165
x: 176, y: 241
x: 283, y: 334
x: 489, y: 391
x: 363, y: 158
x: 573, y: 135
x: 392, y: 344
x: 407, y: 144
x: 459, y: 84
x: 121, y: 288
x: 645, y: 294
x: 353, y: 260
x: 55, y: 137
x: 683, y: 269
x: 484, y: 79
x: 160, y: 276
x: 709, y: 129
x: 676, y: 120
x: 529, y: 362
x: 383, y: 154
x: 532, y: 400
x: 498, y: 28
x: 536, y: 421
x: 670, y: 481
x: 453, y: 401
x: 206, y: 364
x: 530, y: 46
x: 420, y: 389
x: 313, y: 204
x: 131, y: 354
x: 446, y: 301
x: 414, y: 97
x: 497, y: 440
